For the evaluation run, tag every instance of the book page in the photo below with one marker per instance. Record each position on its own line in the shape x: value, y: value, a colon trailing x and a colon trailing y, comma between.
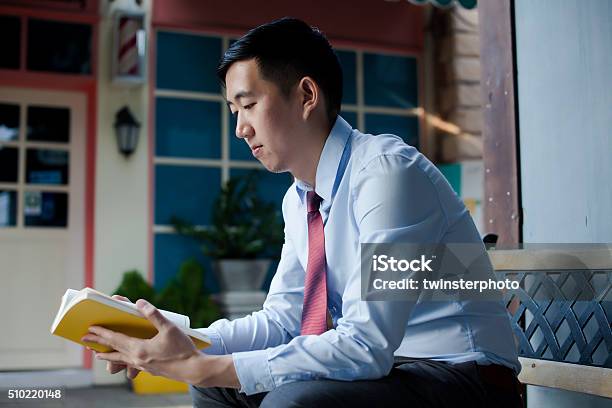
x: 66, y: 299
x: 176, y: 318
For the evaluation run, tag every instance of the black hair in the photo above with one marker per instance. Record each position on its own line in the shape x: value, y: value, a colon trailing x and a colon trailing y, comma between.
x: 287, y: 50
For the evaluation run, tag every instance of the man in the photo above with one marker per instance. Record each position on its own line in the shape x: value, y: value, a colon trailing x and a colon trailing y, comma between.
x: 316, y: 342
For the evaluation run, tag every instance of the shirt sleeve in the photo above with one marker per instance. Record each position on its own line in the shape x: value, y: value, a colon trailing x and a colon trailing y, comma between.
x: 393, y: 200
x: 276, y: 323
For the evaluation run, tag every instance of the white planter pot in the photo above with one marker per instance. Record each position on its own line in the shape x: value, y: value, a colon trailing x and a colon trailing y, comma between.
x: 241, y: 274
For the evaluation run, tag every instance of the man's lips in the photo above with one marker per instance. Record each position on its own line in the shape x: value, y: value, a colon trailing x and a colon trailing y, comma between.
x: 256, y: 150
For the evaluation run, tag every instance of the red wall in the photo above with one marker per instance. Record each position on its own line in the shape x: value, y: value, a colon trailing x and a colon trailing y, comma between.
x: 365, y: 23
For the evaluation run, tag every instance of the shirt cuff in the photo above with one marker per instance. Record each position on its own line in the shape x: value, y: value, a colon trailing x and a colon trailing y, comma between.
x: 217, y: 346
x: 253, y: 370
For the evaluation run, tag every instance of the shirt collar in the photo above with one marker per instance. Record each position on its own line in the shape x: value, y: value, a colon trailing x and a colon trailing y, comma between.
x: 328, y: 162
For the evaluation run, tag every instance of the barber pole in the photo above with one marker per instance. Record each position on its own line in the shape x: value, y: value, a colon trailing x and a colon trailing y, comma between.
x: 128, y: 46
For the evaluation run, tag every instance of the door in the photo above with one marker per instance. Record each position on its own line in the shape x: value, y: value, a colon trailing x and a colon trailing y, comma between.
x: 42, y: 195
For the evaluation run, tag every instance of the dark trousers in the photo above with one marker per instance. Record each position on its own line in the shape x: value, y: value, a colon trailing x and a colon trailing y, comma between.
x: 417, y: 383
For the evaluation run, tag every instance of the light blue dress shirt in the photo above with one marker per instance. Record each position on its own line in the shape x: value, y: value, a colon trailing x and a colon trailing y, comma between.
x: 375, y: 189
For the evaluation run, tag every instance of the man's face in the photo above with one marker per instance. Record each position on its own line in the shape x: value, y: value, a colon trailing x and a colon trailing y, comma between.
x: 265, y: 118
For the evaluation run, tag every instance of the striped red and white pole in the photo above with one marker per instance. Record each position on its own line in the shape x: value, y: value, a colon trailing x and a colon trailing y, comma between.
x: 128, y: 46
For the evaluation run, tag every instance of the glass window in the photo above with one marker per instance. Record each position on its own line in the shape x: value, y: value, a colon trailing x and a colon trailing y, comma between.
x: 59, y: 47
x: 186, y: 192
x: 9, y: 164
x: 271, y: 186
x: 45, y: 166
x: 406, y: 127
x: 10, y: 32
x: 188, y: 62
x: 390, y: 80
x: 48, y: 124
x: 8, y: 208
x: 9, y: 122
x: 170, y: 251
x: 350, y: 117
x: 348, y: 62
x: 239, y: 149
x: 188, y: 128
x: 42, y: 209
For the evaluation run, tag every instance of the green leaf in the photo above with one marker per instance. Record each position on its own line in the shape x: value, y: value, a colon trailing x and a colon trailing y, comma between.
x: 243, y: 226
x: 133, y: 286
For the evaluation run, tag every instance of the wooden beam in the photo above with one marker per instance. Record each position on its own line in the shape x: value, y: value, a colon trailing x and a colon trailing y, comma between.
x: 551, y: 259
x: 566, y: 376
x: 500, y: 138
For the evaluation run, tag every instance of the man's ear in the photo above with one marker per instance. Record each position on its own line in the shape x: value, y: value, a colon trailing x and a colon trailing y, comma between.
x: 310, y: 96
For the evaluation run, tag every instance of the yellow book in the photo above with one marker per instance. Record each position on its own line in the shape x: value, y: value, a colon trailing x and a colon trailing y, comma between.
x: 87, y: 307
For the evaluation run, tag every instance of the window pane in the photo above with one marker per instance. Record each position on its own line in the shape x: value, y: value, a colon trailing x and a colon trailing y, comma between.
x: 239, y: 149
x: 10, y: 32
x: 47, y: 124
x: 187, y: 128
x: 45, y: 209
x: 9, y: 122
x: 186, y: 192
x: 350, y: 117
x: 188, y: 62
x: 406, y: 127
x: 349, y: 76
x: 8, y: 208
x: 271, y: 187
x: 44, y: 166
x: 390, y: 80
x: 9, y: 160
x: 59, y: 47
x: 170, y: 251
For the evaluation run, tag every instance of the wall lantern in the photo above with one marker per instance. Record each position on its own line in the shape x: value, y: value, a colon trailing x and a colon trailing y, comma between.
x: 126, y: 130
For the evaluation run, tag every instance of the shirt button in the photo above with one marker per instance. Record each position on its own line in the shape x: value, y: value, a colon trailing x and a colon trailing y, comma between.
x: 259, y: 387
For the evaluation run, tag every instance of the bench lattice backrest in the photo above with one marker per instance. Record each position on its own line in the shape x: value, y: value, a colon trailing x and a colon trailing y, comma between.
x: 561, y: 316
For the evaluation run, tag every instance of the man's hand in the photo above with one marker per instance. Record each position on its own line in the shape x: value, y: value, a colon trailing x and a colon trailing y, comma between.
x: 171, y: 353
x: 114, y: 368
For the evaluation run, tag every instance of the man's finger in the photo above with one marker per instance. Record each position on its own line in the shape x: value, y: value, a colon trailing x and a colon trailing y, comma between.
x: 119, y: 297
x: 117, y: 341
x: 114, y: 357
x: 152, y: 314
x: 92, y: 338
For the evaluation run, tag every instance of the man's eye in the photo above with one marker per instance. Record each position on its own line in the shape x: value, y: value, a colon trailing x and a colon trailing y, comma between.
x: 249, y: 106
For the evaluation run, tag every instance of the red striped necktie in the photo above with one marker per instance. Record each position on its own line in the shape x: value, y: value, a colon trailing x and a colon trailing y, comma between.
x: 314, y: 312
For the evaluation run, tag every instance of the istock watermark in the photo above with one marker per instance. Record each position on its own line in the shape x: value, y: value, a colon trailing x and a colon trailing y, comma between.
x: 450, y: 272
x: 382, y: 263
x: 436, y: 272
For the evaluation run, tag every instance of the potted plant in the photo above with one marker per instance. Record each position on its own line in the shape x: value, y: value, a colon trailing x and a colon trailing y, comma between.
x: 185, y: 294
x: 244, y: 237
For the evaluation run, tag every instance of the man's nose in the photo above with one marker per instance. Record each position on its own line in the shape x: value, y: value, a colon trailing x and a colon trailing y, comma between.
x: 243, y: 130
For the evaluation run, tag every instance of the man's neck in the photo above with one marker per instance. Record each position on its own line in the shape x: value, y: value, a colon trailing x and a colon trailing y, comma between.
x: 310, y: 155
